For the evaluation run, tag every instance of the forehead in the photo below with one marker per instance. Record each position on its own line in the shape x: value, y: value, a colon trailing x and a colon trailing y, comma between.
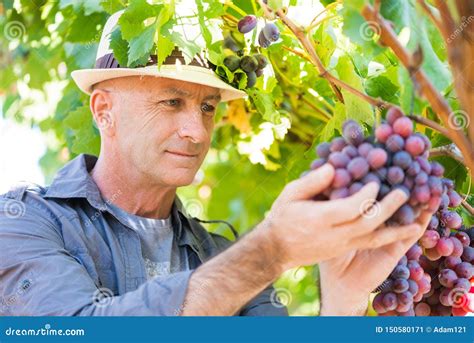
x: 156, y: 86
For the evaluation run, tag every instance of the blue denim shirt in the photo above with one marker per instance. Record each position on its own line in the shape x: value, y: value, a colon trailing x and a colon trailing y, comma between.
x: 62, y: 253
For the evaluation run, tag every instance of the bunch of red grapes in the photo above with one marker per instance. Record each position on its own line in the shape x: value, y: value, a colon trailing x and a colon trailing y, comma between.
x: 435, y: 275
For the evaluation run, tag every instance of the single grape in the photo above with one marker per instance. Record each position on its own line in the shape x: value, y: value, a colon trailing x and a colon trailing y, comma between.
x: 352, y: 132
x: 395, y: 175
x: 337, y: 144
x: 424, y: 164
x: 358, y: 168
x: 271, y: 32
x: 350, y: 151
x: 390, y: 301
x: 248, y: 64
x: 422, y: 193
x: 251, y: 79
x: 414, y: 252
x: 429, y: 239
x: 403, y: 126
x: 383, y: 132
x: 463, y: 284
x: 317, y: 163
x: 371, y: 177
x: 342, y: 178
x: 416, y: 272
x: 413, y: 287
x: 451, y: 219
x: 338, y: 159
x: 404, y: 215
x: 400, y: 272
x: 263, y: 41
x: 437, y: 169
x: 464, y: 238
x: 454, y: 198
x: 451, y: 262
x: 422, y: 310
x: 435, y: 184
x: 377, y: 158
x: 434, y: 222
x: 445, y: 246
x: 464, y: 270
x: 262, y: 60
x: 400, y: 285
x: 414, y: 169
x: 458, y: 247
x: 378, y: 304
x: 364, y: 149
x: 421, y: 178
x: 230, y: 43
x: 432, y: 254
x: 395, y: 143
x: 323, y: 150
x: 393, y: 114
x: 447, y: 277
x: 402, y: 159
x: 414, y: 145
x: 247, y: 23
x: 259, y: 72
x: 232, y: 62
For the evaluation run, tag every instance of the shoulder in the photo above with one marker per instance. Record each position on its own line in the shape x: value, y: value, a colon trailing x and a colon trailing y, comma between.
x: 23, y: 207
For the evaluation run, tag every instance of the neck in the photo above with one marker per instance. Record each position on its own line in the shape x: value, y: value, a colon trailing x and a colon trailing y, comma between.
x: 128, y: 189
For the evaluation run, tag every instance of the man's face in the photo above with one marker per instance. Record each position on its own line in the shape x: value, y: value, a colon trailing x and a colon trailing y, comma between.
x: 163, y: 127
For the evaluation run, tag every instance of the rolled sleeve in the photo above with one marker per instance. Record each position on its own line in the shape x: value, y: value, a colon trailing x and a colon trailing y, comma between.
x: 264, y: 304
x: 39, y: 277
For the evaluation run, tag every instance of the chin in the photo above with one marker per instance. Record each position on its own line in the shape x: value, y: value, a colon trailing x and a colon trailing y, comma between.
x: 179, y: 178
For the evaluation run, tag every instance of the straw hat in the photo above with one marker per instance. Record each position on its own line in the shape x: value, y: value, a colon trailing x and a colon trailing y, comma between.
x: 174, y: 67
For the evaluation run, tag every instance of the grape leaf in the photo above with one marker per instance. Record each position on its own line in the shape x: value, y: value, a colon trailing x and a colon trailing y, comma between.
x: 141, y: 45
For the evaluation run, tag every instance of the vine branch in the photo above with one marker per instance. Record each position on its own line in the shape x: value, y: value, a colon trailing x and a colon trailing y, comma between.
x: 427, y: 89
x: 431, y: 124
x: 447, y: 150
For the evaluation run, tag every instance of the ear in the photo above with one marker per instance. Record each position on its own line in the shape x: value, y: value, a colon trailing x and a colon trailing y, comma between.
x: 101, y: 104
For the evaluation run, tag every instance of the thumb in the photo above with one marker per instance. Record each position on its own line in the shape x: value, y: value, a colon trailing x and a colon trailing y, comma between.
x: 309, y: 185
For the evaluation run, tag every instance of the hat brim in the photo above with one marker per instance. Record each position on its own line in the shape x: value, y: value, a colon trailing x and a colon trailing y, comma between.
x: 86, y: 78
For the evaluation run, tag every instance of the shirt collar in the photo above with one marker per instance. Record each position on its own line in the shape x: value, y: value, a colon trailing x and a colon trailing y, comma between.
x: 74, y: 181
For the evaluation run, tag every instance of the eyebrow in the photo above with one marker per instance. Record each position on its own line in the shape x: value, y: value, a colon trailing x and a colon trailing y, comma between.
x: 183, y: 93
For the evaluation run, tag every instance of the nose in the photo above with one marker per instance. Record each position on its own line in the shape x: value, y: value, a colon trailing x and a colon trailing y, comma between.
x: 192, y: 126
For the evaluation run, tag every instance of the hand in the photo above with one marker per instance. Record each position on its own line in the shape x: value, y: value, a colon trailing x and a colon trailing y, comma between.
x: 306, y: 232
x: 347, y: 281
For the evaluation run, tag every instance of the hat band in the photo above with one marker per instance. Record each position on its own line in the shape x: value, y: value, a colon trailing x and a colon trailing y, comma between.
x: 108, y: 61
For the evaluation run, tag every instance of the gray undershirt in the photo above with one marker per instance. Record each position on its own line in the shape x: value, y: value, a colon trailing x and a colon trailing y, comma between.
x: 160, y: 251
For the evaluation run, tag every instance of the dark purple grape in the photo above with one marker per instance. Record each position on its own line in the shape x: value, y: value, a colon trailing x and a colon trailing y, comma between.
x: 421, y: 178
x: 262, y: 41
x: 468, y: 254
x: 271, y: 32
x: 424, y: 164
x: 404, y: 215
x: 463, y: 238
x: 414, y: 169
x: 450, y: 219
x: 390, y: 301
x: 262, y: 60
x: 451, y: 262
x: 413, y: 287
x: 358, y: 168
x: 323, y: 150
x: 371, y: 177
x: 251, y: 79
x: 422, y: 193
x: 400, y: 272
x: 231, y: 44
x: 338, y: 159
x: 400, y: 285
x: 378, y: 305
x: 435, y: 184
x: 414, y: 252
x: 462, y: 284
x: 464, y: 270
x: 395, y: 175
x: 247, y: 23
x: 352, y: 132
x: 402, y: 159
x: 395, y: 143
x: 434, y: 222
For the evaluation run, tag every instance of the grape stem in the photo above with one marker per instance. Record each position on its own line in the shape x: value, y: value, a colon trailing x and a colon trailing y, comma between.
x: 440, y: 106
x: 431, y: 124
x: 450, y: 150
x: 468, y: 207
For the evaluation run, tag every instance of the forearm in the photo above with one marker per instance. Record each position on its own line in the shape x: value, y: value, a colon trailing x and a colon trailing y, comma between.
x: 227, y: 282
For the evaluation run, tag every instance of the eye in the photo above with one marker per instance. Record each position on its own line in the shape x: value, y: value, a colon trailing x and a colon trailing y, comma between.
x: 207, y: 108
x: 172, y: 102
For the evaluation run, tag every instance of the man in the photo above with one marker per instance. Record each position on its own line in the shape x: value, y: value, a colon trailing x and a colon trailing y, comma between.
x: 109, y: 236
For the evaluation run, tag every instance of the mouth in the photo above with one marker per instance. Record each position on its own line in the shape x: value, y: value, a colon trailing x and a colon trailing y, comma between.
x: 182, y: 154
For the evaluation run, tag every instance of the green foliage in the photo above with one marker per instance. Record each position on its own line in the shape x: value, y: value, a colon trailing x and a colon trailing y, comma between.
x: 258, y: 145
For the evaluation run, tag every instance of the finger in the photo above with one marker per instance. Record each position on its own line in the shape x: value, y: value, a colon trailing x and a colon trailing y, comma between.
x: 309, y: 185
x: 388, y: 235
x: 424, y: 219
x: 374, y: 216
x: 349, y: 209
